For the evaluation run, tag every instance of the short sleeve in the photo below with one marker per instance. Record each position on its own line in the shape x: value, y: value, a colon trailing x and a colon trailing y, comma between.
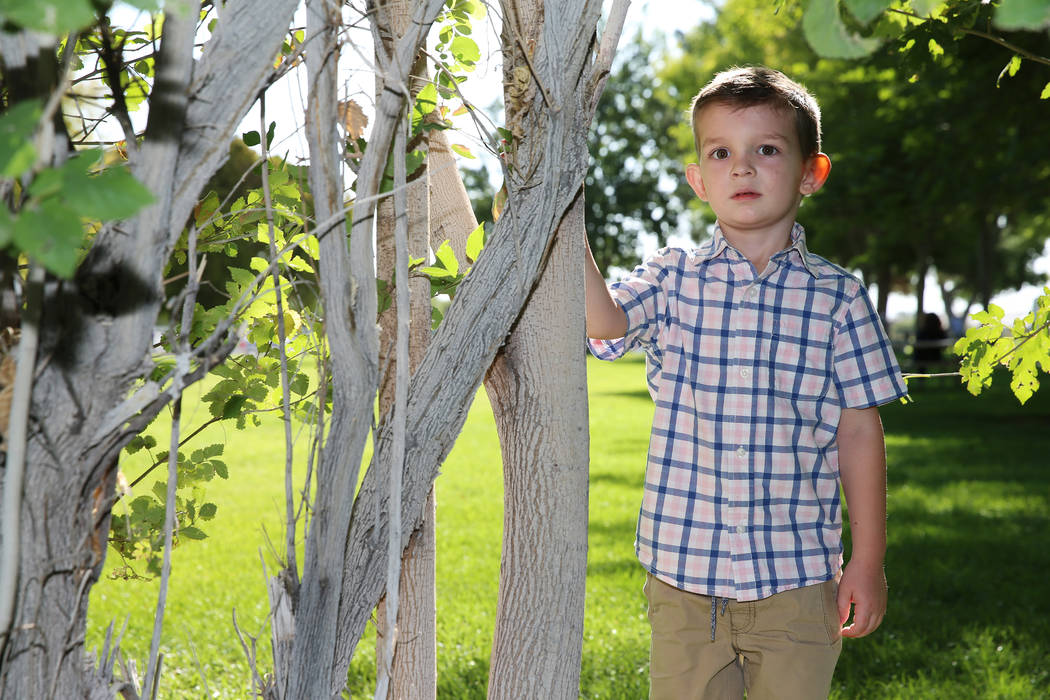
x: 643, y: 296
x: 866, y: 369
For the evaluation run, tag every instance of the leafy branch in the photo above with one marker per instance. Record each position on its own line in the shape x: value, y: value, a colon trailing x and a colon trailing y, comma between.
x: 1023, y: 348
x: 1022, y: 52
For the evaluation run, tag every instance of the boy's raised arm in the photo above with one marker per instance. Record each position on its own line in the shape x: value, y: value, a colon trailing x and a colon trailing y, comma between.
x: 605, y: 318
x: 862, y: 468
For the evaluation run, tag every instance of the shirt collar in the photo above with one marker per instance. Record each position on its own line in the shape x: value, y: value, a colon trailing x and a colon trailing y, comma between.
x: 719, y: 244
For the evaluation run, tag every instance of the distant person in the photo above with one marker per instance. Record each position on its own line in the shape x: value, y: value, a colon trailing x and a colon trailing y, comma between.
x: 767, y: 364
x: 929, y: 343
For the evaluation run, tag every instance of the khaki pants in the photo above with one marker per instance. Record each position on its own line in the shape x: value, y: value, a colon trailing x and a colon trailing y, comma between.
x: 783, y: 647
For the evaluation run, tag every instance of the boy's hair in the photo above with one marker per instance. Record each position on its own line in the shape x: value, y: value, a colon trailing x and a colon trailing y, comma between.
x: 749, y: 86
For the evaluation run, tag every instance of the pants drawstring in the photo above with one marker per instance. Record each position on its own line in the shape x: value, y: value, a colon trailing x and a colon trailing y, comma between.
x: 714, y: 616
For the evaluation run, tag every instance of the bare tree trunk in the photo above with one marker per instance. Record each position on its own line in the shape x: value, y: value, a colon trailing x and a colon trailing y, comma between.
x: 986, y: 260
x: 538, y: 389
x: 920, y: 292
x: 884, y: 280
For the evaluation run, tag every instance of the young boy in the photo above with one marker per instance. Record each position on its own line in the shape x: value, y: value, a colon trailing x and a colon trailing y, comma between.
x: 767, y: 364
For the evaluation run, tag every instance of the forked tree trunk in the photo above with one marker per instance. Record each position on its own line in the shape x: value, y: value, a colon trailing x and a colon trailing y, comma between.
x: 96, y: 334
x: 548, y: 181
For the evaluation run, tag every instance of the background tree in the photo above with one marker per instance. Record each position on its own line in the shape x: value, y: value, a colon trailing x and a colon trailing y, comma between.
x: 895, y: 124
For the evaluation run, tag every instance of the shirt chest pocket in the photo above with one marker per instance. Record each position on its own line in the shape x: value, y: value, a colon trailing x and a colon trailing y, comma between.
x: 800, y: 359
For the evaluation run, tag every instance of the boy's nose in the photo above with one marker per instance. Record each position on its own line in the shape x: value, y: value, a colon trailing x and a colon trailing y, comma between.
x: 742, y: 166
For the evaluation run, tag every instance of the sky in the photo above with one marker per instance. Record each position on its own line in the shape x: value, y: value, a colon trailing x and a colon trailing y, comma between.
x: 286, y: 100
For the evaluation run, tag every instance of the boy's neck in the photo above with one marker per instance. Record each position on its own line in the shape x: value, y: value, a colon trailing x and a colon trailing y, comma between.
x: 758, y: 246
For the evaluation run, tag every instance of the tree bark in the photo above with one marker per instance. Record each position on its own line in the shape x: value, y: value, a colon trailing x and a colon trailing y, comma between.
x: 920, y: 292
x: 884, y: 280
x: 538, y: 389
x: 987, y: 244
x: 414, y: 666
x: 96, y: 335
x: 490, y: 299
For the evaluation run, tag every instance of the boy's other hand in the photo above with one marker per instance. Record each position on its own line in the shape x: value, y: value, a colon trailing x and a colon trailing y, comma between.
x: 863, y: 587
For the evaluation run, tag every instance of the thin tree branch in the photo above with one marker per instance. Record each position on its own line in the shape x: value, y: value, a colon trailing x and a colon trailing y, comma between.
x: 112, y: 55
x: 282, y: 336
x: 17, y: 439
x: 151, y: 681
x: 403, y: 375
x: 607, y: 50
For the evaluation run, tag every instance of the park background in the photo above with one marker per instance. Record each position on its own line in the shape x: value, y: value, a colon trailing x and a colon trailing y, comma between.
x: 968, y: 488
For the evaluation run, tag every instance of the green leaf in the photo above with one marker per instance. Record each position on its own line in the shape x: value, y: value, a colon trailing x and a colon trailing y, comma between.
x: 414, y: 160
x: 1023, y: 14
x: 828, y: 36
x: 866, y: 10
x: 426, y: 102
x: 935, y: 49
x: 51, y: 233
x: 113, y: 193
x: 233, y: 406
x: 475, y: 242
x: 463, y: 151
x: 192, y: 533
x: 1045, y: 94
x: 17, y: 152
x: 926, y: 8
x: 300, y: 384
x: 251, y: 138
x: 50, y: 16
x: 220, y: 469
x: 465, y: 50
x: 446, y: 258
x: 437, y: 272
x: 207, y: 511
x: 7, y: 226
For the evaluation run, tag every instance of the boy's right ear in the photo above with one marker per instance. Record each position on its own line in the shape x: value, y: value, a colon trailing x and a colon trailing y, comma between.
x: 817, y: 169
x: 693, y: 177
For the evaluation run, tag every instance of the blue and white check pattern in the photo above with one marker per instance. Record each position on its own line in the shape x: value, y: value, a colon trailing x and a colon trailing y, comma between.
x: 750, y: 374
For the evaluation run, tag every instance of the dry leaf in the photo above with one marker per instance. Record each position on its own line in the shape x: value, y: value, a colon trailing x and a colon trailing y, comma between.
x: 353, y: 118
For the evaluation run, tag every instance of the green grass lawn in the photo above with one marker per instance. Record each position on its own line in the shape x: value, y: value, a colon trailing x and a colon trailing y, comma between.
x: 968, y: 564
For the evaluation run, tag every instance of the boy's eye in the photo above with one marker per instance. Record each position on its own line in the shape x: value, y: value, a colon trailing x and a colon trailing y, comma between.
x: 767, y: 150
x: 720, y: 153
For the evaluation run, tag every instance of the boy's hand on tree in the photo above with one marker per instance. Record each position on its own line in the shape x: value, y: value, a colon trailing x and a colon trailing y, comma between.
x: 864, y: 587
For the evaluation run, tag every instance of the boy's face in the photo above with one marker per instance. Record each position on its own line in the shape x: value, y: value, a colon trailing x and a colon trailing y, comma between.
x: 751, y: 170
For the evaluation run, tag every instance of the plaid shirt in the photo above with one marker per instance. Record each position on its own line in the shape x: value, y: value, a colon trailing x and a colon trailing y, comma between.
x: 749, y: 375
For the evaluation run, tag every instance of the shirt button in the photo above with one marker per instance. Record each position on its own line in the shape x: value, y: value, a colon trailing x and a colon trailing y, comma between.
x: 740, y: 529
x: 752, y: 293
x: 745, y: 372
x: 741, y: 452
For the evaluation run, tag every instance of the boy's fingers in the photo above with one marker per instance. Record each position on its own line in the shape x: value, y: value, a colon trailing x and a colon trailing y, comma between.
x: 844, y: 599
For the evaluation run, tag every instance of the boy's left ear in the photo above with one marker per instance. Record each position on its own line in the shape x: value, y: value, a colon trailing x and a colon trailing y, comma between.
x: 816, y: 173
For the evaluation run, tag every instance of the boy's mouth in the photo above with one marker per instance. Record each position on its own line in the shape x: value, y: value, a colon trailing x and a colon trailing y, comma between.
x: 745, y: 195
